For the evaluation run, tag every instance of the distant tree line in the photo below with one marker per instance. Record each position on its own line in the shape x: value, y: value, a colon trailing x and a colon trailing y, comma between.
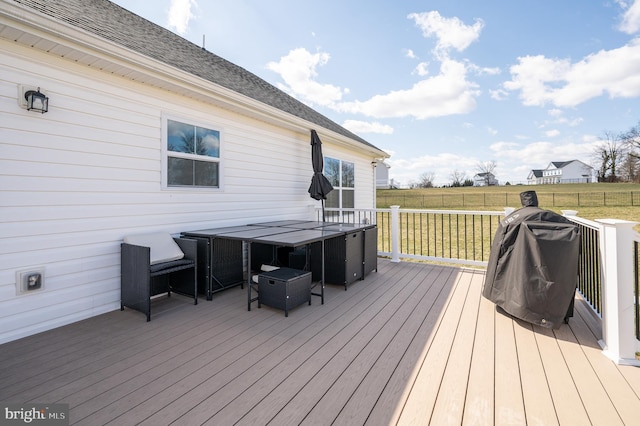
x: 484, y: 169
x: 617, y: 156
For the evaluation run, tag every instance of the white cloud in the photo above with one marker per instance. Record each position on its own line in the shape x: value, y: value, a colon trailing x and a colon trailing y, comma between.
x: 630, y: 23
x: 499, y: 94
x: 410, y: 54
x: 515, y: 160
x: 367, y: 127
x: 180, y: 14
x: 298, y: 70
x: 483, y: 70
x: 445, y: 94
x: 422, y: 69
x: 451, y: 33
x: 552, y: 133
x: 492, y: 131
x: 501, y: 146
x: 559, y: 118
x: 542, y: 80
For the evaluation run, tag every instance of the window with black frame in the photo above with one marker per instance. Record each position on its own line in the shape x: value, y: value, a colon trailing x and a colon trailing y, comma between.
x: 193, y: 155
x: 341, y: 174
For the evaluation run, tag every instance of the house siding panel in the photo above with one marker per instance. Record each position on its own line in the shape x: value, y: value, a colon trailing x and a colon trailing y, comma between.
x: 77, y: 179
x: 575, y: 172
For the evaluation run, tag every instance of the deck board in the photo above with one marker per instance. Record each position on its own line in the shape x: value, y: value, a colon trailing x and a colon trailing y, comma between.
x: 597, y: 402
x: 479, y: 403
x: 413, y: 343
x: 332, y: 354
x: 390, y: 401
x: 509, y: 405
x: 567, y: 402
x: 449, y: 407
x: 365, y: 395
x: 613, y: 382
x: 345, y: 373
x: 424, y: 388
x: 538, y: 403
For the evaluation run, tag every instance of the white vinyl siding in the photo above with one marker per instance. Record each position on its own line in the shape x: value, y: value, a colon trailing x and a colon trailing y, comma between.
x: 76, y: 180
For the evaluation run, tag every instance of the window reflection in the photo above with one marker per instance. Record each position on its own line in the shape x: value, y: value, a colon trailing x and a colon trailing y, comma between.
x: 196, y: 151
x: 341, y: 174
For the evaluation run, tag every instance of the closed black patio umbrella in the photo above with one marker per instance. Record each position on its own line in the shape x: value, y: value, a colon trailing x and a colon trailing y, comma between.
x: 320, y: 185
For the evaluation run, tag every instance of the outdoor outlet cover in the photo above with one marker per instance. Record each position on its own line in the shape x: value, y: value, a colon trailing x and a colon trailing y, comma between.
x: 30, y: 280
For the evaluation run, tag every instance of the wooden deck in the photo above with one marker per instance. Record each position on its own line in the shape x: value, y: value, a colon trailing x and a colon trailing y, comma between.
x: 411, y: 344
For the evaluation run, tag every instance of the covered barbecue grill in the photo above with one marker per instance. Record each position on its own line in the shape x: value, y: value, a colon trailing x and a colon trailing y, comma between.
x: 533, y: 265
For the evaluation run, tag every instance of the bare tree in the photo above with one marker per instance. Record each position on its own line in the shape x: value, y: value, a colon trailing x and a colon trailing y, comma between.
x: 630, y: 168
x: 426, y: 180
x: 486, y: 169
x: 458, y: 178
x: 631, y: 140
x: 610, y: 154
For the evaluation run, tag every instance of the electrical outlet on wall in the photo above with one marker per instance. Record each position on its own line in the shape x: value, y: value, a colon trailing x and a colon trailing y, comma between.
x: 29, y: 280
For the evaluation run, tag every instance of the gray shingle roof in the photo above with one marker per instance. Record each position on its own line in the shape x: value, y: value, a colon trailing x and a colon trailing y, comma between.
x: 112, y: 22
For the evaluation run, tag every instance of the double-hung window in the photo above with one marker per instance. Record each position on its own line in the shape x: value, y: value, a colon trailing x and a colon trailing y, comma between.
x: 341, y: 174
x: 193, y: 155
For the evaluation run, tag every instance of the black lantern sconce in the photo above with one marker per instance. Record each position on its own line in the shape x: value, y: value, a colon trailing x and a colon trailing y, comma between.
x: 36, y: 101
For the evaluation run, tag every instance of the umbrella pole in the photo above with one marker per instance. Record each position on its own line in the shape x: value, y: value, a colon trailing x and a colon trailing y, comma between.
x: 322, y: 201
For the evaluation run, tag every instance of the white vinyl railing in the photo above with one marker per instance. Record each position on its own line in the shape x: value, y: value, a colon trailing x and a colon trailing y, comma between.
x: 608, y: 270
x: 451, y: 236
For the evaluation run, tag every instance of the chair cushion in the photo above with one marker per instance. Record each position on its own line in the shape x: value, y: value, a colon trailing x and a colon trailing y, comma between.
x: 163, y: 247
x: 174, y: 265
x: 268, y: 268
x: 264, y: 268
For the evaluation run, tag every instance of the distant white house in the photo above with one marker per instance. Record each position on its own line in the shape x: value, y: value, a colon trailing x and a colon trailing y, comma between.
x: 382, y: 175
x: 534, y: 177
x: 574, y: 171
x: 145, y: 131
x: 485, y: 179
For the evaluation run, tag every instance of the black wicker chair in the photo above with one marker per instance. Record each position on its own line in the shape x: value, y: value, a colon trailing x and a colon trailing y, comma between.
x: 142, y: 278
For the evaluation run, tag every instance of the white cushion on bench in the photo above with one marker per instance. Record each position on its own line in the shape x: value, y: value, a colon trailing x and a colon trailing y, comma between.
x: 264, y: 268
x: 163, y: 247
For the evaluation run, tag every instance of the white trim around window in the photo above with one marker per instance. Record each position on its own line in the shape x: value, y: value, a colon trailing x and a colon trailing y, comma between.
x: 341, y: 174
x: 194, y: 163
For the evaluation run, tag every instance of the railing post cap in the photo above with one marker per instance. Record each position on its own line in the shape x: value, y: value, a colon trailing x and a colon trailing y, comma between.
x: 616, y: 222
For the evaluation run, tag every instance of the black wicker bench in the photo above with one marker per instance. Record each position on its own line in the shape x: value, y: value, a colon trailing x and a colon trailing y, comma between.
x: 143, y: 276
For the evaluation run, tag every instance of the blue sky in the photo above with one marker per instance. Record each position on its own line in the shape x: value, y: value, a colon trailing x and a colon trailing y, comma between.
x: 441, y: 85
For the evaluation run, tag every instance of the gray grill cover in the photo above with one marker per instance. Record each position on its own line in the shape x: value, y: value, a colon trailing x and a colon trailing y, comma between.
x: 533, y: 266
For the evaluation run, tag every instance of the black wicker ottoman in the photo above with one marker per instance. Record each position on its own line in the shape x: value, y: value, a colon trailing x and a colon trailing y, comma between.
x: 284, y: 288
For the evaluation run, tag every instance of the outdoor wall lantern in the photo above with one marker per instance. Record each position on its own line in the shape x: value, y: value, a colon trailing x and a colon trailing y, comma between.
x: 36, y: 101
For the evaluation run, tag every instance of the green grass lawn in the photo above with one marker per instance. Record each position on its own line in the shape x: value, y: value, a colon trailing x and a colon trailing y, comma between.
x: 587, y: 199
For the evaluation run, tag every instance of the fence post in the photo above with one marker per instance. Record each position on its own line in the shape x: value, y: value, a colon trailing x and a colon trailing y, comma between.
x: 618, y: 316
x: 395, y: 234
